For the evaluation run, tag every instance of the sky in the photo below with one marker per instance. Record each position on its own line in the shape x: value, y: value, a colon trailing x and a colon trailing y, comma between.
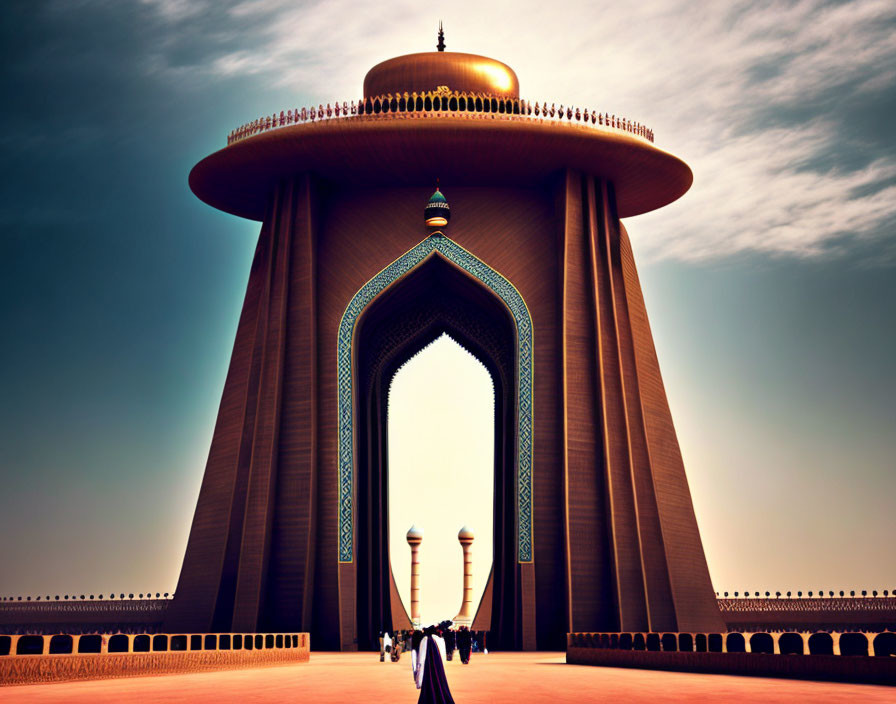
x: 771, y: 285
x: 453, y: 393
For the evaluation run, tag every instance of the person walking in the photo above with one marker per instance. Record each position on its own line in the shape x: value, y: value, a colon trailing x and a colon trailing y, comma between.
x: 387, y: 646
x: 450, y: 643
x: 464, y: 644
x: 396, y: 647
x: 428, y: 666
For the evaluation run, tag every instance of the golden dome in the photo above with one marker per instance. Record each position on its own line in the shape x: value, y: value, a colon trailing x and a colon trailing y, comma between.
x: 430, y: 70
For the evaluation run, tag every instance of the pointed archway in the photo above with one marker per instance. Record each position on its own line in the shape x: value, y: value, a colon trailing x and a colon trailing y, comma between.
x: 441, y: 446
x: 436, y: 287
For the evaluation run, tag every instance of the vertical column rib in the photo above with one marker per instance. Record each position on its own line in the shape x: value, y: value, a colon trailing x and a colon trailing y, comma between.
x: 695, y: 607
x: 589, y: 570
x: 291, y: 576
x: 625, y: 531
x: 660, y: 607
x: 256, y: 536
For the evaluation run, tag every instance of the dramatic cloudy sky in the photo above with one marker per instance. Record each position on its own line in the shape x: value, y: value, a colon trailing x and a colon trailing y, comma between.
x: 771, y: 285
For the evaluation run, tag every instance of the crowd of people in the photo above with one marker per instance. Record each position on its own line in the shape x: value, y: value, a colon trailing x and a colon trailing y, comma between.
x: 460, y: 640
x: 429, y: 649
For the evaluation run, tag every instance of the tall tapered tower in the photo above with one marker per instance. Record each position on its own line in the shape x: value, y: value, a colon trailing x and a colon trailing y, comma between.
x: 415, y: 537
x: 465, y: 615
x: 534, y: 275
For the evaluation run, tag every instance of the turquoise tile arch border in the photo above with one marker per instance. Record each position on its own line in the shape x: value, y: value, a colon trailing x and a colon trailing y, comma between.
x: 453, y: 252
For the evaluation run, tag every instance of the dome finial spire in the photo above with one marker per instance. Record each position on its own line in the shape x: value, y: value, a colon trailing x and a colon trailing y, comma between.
x: 441, y: 45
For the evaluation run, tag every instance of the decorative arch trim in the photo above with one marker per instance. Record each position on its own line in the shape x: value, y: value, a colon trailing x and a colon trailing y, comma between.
x: 436, y: 243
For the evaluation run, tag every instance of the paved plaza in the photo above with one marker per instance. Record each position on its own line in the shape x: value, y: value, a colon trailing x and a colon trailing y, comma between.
x: 489, y: 679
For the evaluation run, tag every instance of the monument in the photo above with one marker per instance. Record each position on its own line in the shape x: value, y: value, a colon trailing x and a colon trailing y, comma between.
x: 594, y: 529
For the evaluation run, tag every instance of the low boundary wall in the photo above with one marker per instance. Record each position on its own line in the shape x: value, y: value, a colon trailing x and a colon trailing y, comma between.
x: 875, y: 613
x: 42, y: 658
x: 845, y: 657
x: 90, y: 616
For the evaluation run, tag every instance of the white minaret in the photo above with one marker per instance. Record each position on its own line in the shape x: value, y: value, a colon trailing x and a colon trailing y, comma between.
x: 415, y: 537
x: 465, y: 617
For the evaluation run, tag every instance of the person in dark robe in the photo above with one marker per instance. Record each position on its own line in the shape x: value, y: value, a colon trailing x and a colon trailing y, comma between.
x: 450, y: 643
x: 429, y: 670
x: 464, y: 644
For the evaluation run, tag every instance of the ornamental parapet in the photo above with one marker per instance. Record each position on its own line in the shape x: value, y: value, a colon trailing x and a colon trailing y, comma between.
x: 28, y: 659
x: 835, y: 604
x: 845, y: 643
x: 112, y: 606
x: 94, y: 616
x: 849, y: 656
x: 441, y: 104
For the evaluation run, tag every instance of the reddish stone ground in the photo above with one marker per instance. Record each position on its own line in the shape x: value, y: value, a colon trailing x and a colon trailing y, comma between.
x: 489, y: 679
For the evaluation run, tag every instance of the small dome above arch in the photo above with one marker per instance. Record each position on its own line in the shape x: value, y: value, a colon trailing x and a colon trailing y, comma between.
x: 437, y: 212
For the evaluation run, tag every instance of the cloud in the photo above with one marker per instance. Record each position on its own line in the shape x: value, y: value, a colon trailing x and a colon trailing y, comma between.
x: 177, y: 10
x: 769, y: 102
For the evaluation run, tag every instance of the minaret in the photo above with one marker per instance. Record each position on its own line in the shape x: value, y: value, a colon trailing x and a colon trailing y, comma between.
x: 415, y: 537
x: 465, y: 617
